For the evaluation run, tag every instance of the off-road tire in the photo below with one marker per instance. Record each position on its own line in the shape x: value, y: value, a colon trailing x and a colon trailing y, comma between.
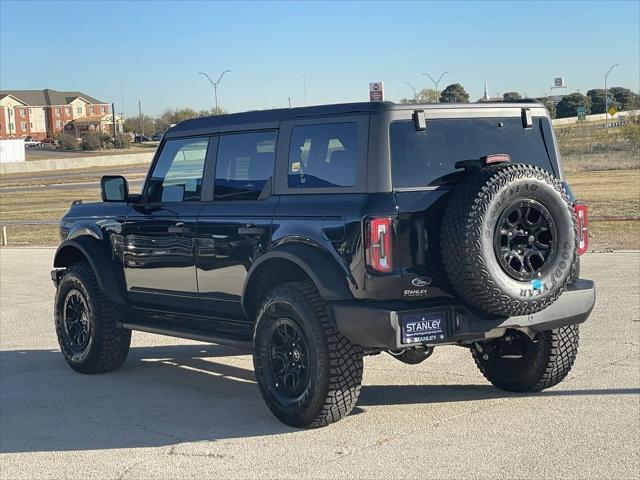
x: 108, y: 344
x: 467, y: 239
x: 335, y: 364
x: 554, y: 355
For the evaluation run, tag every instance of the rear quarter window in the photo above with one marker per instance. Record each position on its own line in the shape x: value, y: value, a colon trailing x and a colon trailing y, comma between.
x: 323, y: 155
x: 428, y: 158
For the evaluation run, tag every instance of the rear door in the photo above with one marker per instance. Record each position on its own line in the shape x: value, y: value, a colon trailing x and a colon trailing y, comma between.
x: 235, y: 228
x: 159, y: 232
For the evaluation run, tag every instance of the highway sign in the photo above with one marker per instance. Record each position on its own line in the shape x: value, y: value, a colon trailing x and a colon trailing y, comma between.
x: 612, y: 111
x: 558, y: 82
x: 581, y: 112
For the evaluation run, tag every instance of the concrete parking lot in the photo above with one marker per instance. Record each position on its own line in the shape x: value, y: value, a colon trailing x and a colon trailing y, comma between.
x: 181, y: 409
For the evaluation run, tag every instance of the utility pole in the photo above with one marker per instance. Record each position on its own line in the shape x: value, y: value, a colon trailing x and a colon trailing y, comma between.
x: 436, y: 82
x: 140, y: 117
x: 113, y: 118
x: 289, y: 102
x: 606, y: 97
x: 415, y: 96
x: 215, y: 86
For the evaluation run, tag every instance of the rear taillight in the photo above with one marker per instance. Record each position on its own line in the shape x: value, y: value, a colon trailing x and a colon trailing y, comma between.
x: 583, y: 227
x: 378, y: 244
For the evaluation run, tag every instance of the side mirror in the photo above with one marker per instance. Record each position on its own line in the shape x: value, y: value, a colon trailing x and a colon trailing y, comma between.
x: 114, y: 188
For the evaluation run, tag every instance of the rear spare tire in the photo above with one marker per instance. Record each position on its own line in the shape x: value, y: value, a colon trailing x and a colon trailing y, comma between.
x: 509, y: 241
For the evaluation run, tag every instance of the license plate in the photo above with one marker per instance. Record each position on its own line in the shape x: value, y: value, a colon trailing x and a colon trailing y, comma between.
x: 423, y: 327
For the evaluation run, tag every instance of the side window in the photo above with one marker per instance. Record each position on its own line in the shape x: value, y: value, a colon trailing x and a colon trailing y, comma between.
x: 245, y: 163
x: 323, y: 155
x: 177, y: 175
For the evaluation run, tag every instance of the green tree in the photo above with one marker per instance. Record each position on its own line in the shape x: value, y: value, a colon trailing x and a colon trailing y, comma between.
x: 426, y: 95
x: 625, y: 98
x: 567, y: 107
x: 598, y: 105
x: 454, y: 93
x: 511, y: 96
x: 132, y: 124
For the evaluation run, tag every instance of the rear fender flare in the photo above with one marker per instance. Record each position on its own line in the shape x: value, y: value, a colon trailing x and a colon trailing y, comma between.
x: 320, y: 267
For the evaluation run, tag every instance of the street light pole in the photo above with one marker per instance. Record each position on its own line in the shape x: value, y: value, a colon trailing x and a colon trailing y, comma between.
x: 606, y: 97
x: 415, y: 96
x: 215, y: 86
x: 436, y: 82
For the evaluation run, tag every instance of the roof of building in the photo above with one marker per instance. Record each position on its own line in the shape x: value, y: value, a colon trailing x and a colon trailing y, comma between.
x: 39, y: 98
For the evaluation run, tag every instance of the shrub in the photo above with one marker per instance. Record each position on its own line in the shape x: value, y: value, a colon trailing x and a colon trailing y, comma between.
x: 90, y: 141
x: 105, y: 140
x: 68, y: 142
x: 123, y: 141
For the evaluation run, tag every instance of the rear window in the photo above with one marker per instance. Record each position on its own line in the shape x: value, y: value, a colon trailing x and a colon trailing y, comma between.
x: 425, y: 158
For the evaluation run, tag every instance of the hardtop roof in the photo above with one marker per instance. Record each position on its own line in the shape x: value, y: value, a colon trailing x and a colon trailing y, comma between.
x: 271, y: 118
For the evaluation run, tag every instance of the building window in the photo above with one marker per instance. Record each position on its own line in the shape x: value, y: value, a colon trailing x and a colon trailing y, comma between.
x: 67, y: 110
x: 103, y: 109
x: 58, y: 124
x: 79, y: 110
x: 23, y: 125
x: 11, y: 127
x: 57, y: 110
x: 30, y: 124
x: 23, y: 112
x: 11, y: 112
x: 30, y: 111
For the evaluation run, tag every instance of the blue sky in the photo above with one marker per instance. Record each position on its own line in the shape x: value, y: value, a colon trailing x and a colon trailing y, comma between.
x: 155, y: 49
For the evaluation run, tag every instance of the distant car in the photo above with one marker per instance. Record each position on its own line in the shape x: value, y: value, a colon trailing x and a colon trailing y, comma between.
x: 49, y: 141
x: 32, y: 142
x: 156, y: 137
x: 141, y: 138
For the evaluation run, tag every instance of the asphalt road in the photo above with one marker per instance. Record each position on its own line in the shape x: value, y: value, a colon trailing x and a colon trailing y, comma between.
x: 181, y: 409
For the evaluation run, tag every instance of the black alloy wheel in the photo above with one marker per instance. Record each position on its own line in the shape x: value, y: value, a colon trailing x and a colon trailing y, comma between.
x: 288, y: 358
x: 77, y: 325
x: 525, y: 239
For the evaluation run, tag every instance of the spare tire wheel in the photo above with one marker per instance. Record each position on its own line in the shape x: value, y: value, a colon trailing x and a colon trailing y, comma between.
x: 509, y: 241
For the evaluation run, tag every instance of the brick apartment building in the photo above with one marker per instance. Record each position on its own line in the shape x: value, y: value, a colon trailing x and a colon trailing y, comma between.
x: 44, y: 113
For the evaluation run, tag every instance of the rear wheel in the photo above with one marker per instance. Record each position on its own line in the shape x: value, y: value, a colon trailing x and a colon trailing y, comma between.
x: 518, y: 364
x: 308, y: 373
x: 87, y: 323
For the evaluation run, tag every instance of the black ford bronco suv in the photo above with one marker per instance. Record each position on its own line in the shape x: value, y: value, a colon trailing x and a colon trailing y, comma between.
x: 317, y: 235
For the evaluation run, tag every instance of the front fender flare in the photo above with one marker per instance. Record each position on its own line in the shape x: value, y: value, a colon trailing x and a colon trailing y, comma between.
x: 93, y: 250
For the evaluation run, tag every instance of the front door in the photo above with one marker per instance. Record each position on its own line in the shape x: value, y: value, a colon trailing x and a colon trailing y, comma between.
x: 235, y: 228
x: 159, y: 261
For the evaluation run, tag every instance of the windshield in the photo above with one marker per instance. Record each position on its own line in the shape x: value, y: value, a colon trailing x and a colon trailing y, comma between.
x: 425, y: 158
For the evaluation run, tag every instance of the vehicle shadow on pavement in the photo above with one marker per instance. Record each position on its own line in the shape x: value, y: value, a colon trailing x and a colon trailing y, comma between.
x: 161, y: 396
x: 375, y: 395
x: 166, y: 395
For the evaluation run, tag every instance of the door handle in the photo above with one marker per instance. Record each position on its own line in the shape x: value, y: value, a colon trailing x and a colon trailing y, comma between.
x: 179, y: 228
x: 251, y: 230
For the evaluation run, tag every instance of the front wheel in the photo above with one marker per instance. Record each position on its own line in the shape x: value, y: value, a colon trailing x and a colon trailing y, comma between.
x: 308, y: 373
x: 517, y: 363
x: 87, y: 323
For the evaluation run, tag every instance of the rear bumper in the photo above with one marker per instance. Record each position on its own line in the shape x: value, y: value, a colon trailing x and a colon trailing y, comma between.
x: 379, y: 328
